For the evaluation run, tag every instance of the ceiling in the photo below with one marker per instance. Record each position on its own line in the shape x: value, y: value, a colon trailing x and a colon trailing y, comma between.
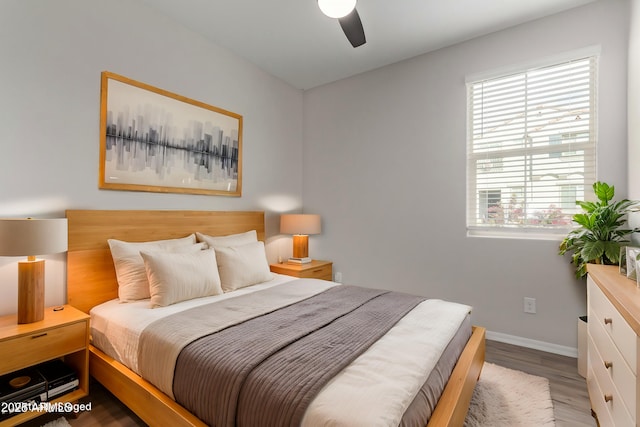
x: 293, y: 40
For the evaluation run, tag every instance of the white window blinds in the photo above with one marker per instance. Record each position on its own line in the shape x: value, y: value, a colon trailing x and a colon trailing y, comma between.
x: 531, y: 146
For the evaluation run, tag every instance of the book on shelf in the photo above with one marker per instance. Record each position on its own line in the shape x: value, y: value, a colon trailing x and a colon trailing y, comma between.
x: 298, y: 261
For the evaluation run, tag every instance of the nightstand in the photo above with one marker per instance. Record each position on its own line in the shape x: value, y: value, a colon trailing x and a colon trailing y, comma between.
x: 313, y: 270
x: 61, y: 334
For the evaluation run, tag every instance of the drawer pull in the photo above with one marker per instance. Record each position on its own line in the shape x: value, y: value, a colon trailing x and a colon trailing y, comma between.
x: 608, y: 364
x: 38, y: 336
x: 608, y: 321
x: 608, y: 398
x: 318, y: 270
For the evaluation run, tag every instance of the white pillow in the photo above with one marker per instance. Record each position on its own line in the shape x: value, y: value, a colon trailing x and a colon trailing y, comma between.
x: 175, y: 277
x: 230, y: 240
x: 132, y: 278
x: 241, y: 266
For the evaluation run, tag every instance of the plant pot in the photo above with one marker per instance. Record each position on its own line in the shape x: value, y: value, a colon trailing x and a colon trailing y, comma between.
x: 582, y: 346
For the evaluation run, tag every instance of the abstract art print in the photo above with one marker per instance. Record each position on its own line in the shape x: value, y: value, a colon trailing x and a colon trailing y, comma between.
x: 154, y: 140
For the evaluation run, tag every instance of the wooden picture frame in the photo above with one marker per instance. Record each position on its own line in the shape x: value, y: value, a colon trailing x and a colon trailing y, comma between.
x: 158, y: 141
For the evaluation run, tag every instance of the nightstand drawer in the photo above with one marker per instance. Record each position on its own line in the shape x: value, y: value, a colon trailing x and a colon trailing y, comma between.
x: 316, y: 269
x: 42, y: 345
x: 320, y: 272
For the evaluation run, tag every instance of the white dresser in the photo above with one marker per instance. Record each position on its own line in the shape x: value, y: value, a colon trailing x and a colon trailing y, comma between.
x: 613, y: 346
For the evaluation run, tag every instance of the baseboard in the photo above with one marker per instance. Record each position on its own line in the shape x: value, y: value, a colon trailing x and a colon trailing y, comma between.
x: 534, y: 344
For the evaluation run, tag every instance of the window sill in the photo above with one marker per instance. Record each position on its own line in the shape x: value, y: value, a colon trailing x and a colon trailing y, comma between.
x: 526, y: 234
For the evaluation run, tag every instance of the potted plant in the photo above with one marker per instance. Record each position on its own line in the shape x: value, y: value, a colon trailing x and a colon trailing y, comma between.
x: 601, y: 230
x: 598, y: 239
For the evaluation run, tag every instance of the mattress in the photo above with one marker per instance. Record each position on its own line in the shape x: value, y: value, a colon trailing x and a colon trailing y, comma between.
x: 396, y: 381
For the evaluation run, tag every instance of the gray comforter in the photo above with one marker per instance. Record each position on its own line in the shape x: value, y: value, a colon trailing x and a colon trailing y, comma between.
x: 266, y: 370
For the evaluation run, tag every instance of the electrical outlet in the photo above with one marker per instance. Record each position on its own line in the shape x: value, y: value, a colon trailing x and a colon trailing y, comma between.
x: 338, y: 277
x: 530, y: 305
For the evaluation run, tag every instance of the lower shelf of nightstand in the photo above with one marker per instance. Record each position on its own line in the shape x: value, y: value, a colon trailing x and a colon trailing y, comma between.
x: 71, y: 397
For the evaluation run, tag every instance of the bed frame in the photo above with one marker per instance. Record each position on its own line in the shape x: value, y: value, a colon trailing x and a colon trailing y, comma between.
x: 91, y: 280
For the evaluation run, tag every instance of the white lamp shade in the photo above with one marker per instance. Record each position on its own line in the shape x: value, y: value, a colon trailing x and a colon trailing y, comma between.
x: 300, y: 224
x: 30, y: 237
x: 336, y: 8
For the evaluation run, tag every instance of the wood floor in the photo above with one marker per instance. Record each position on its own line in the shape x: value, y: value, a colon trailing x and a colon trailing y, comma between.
x: 568, y: 390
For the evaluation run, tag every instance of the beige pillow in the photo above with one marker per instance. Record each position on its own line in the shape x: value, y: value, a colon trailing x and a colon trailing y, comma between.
x: 241, y: 266
x: 132, y: 278
x: 175, y: 277
x: 230, y: 240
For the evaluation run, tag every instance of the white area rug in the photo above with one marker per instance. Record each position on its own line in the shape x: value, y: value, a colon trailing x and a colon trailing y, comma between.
x: 502, y: 398
x: 60, y: 422
x: 508, y: 398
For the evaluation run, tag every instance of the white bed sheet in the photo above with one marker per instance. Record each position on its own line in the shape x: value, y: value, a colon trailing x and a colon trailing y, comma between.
x: 116, y: 326
x: 374, y: 390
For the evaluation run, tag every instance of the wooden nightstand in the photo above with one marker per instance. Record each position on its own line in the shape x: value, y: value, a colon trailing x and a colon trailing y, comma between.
x: 313, y: 270
x: 61, y: 334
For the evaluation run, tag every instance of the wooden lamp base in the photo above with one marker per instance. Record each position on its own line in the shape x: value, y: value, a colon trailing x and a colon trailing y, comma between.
x: 30, y: 291
x: 300, y: 249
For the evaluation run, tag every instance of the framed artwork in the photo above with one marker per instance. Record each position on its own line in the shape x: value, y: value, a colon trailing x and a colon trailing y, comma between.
x: 632, y: 255
x: 155, y: 140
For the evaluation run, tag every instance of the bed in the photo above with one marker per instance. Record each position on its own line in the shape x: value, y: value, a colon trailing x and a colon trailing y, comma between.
x: 92, y: 282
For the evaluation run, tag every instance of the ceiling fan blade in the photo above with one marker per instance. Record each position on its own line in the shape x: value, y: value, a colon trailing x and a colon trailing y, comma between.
x: 352, y: 27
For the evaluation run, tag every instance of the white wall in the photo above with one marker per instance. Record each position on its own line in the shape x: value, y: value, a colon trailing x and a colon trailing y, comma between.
x: 384, y: 152
x: 384, y: 156
x: 52, y: 53
x: 633, y: 102
x: 634, y: 108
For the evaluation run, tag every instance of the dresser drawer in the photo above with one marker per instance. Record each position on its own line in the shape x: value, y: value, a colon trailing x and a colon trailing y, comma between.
x: 607, y: 400
x: 43, y: 345
x: 603, y: 312
x: 598, y: 404
x: 605, y: 360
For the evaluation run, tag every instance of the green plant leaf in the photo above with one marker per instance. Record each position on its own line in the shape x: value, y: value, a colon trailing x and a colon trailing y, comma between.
x: 592, y: 250
x: 583, y: 219
x: 626, y: 206
x: 612, y: 251
x: 562, y: 249
x: 587, y: 206
x: 603, y: 191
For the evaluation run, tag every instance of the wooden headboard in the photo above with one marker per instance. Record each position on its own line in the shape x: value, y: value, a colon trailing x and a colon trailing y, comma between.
x: 91, y: 277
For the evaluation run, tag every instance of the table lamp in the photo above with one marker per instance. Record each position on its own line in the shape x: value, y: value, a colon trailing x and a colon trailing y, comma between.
x: 300, y: 226
x: 31, y: 237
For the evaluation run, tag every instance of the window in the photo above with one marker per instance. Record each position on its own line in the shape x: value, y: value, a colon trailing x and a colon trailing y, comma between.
x: 531, y: 147
x: 490, y: 205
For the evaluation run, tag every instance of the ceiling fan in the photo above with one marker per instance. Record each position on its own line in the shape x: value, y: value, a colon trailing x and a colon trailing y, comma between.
x: 347, y: 15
